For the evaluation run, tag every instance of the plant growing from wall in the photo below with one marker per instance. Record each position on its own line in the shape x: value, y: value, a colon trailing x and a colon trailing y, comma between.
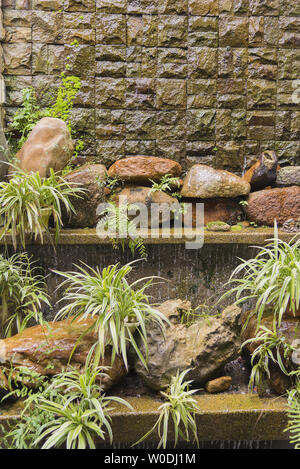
x: 22, y: 291
x: 121, y: 310
x: 272, y: 279
x: 177, y: 413
x: 27, y: 201
x: 115, y: 221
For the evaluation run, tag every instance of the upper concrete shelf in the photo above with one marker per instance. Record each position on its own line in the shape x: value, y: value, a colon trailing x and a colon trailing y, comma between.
x: 249, y: 236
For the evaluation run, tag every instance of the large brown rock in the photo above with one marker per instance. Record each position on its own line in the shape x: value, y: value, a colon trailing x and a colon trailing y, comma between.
x: 49, y: 145
x: 142, y: 195
x: 47, y: 349
x: 218, y: 209
x: 263, y: 172
x: 266, y: 206
x: 205, y: 182
x: 90, y: 178
x: 142, y: 168
x: 205, y: 347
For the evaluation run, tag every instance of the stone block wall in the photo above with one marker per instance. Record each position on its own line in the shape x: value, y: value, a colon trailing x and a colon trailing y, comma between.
x: 197, y: 81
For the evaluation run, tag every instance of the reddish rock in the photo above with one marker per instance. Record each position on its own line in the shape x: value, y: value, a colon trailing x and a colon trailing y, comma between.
x: 47, y: 349
x: 205, y: 182
x: 143, y: 195
x: 91, y: 178
x: 218, y: 385
x: 264, y: 207
x: 264, y: 172
x: 218, y: 209
x: 49, y: 145
x: 142, y: 168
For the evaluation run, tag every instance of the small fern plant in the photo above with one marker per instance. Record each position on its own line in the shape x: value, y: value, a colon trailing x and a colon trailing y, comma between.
x: 115, y: 224
x: 178, y: 412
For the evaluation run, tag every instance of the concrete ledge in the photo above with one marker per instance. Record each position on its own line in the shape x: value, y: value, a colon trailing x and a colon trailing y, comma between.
x: 249, y: 236
x: 224, y: 417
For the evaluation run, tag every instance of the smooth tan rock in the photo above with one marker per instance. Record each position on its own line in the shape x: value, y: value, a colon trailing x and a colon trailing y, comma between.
x: 288, y: 176
x: 91, y: 178
x: 263, y: 173
x: 49, y: 145
x: 143, y: 195
x: 142, y: 168
x: 204, y: 347
x: 218, y: 209
x: 219, y: 384
x: 266, y: 206
x: 205, y: 182
x: 46, y: 350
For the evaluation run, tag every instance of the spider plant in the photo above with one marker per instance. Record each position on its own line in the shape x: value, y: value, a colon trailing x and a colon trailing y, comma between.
x: 115, y: 222
x: 272, y: 279
x: 179, y: 410
x: 166, y: 183
x: 272, y: 347
x: 120, y: 309
x: 293, y: 426
x: 23, y: 200
x: 22, y: 292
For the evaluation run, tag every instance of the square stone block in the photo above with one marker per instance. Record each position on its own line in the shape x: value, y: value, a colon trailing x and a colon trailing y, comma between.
x: 47, y: 27
x: 261, y: 94
x: 173, y: 7
x: 288, y: 94
x: 263, y: 63
x: 288, y: 64
x: 140, y: 147
x: 140, y: 93
x: 233, y: 63
x: 264, y: 7
x: 203, y: 31
x: 79, y: 36
x: 110, y: 92
x: 233, y: 31
x: 109, y: 151
x: 86, y: 95
x: 171, y: 94
x: 234, y: 7
x: 288, y: 125
x: 80, y: 60
x: 171, y: 125
x: 150, y: 7
x: 174, y: 149
x: 204, y: 7
x: 79, y: 20
x: 79, y: 5
x: 111, y: 69
x: 172, y: 31
x: 289, y: 32
x: 110, y: 124
x: 201, y: 94
x: 111, y: 29
x: 231, y: 124
x: 203, y: 62
x: 19, y: 34
x: 230, y: 155
x: 141, y: 125
x: 201, y: 124
x: 261, y: 125
x: 111, y: 53
x: 109, y: 6
x: 15, y: 18
x: 231, y: 93
x: 17, y: 58
x: 289, y: 8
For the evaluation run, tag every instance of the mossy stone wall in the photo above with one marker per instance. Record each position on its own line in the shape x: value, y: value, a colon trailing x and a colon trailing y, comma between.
x: 198, y: 81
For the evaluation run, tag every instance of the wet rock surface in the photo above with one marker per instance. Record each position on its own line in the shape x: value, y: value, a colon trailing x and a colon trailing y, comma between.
x: 47, y: 349
x: 218, y: 209
x: 135, y: 195
x: 218, y: 385
x: 91, y: 178
x: 288, y: 176
x: 263, y: 173
x: 266, y: 206
x: 205, y: 347
x: 49, y: 145
x: 205, y: 182
x: 141, y: 169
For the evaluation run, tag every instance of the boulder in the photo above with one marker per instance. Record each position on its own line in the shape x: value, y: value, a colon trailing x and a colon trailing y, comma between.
x: 49, y: 145
x: 143, y: 195
x: 205, y: 182
x: 90, y: 178
x: 218, y: 385
x: 204, y: 347
x: 141, y: 169
x: 263, y: 172
x: 219, y: 209
x: 47, y: 349
x: 288, y: 176
x: 218, y: 226
x: 266, y: 206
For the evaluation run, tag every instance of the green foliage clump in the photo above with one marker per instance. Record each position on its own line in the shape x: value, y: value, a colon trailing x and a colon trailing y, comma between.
x: 166, y: 184
x: 115, y: 221
x: 119, y: 308
x: 23, y: 198
x: 22, y: 291
x: 178, y: 412
x: 272, y: 279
